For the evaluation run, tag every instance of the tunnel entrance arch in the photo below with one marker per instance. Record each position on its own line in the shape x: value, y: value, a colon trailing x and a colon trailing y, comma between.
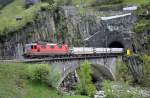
x: 115, y: 44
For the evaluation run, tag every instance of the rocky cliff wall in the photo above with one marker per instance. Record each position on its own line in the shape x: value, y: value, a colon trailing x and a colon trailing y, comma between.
x: 40, y: 29
x: 115, y: 30
x: 86, y: 29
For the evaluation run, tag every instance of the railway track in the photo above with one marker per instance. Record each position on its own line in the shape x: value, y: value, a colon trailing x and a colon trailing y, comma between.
x: 50, y: 59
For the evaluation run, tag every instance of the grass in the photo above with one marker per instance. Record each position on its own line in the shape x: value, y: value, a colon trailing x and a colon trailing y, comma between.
x: 42, y: 91
x: 87, y: 2
x: 124, y: 1
x: 4, y: 2
x: 8, y: 15
x: 13, y: 84
x: 136, y: 1
x: 118, y: 3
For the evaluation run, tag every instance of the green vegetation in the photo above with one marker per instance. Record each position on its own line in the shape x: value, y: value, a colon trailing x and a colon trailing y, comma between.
x: 123, y: 74
x: 94, y: 2
x: 142, y: 27
x: 144, y: 19
x: 83, y: 2
x: 120, y: 91
x: 146, y: 66
x: 54, y: 77
x: 16, y: 81
x: 14, y: 10
x: 4, y: 2
x: 86, y: 87
x: 114, y: 4
x: 39, y: 73
x: 136, y: 1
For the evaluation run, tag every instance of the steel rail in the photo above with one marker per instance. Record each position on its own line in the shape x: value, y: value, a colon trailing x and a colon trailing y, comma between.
x: 69, y: 58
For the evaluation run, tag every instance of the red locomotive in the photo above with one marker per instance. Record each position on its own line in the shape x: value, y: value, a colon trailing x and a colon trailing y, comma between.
x: 45, y: 49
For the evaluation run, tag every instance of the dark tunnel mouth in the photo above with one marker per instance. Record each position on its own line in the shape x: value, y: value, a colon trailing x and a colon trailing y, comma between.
x: 116, y: 44
x: 94, y: 79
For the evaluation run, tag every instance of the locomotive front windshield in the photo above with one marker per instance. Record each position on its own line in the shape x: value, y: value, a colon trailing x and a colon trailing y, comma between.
x: 33, y: 47
x: 29, y: 47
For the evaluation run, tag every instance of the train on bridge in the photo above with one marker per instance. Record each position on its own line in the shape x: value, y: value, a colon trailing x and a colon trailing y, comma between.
x: 35, y: 50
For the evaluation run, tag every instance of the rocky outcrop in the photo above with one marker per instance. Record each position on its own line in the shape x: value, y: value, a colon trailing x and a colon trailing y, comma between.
x: 94, y: 30
x: 76, y: 28
x: 40, y: 29
x: 118, y: 29
x: 79, y: 26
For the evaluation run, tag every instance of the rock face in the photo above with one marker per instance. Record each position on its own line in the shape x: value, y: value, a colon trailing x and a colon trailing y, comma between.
x: 78, y: 29
x: 79, y: 25
x: 40, y: 29
x: 115, y: 32
x: 94, y: 31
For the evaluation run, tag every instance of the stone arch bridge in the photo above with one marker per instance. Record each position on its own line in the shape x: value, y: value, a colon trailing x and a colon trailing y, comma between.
x: 106, y: 66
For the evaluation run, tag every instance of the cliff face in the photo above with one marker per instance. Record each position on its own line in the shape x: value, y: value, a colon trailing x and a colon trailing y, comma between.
x: 113, y: 31
x: 86, y: 29
x: 40, y: 29
x: 79, y: 25
x: 94, y: 30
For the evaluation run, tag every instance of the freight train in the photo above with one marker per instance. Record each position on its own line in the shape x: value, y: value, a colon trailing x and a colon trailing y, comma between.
x: 51, y: 49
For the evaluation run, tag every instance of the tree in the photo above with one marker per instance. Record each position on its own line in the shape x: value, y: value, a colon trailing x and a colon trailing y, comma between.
x: 146, y: 65
x: 86, y: 87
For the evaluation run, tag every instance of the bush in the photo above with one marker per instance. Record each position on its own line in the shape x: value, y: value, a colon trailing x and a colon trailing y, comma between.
x: 91, y: 89
x: 122, y: 73
x: 43, y: 73
x: 146, y: 65
x: 39, y: 73
x: 143, y: 24
x: 86, y: 87
x: 54, y: 77
x: 108, y: 90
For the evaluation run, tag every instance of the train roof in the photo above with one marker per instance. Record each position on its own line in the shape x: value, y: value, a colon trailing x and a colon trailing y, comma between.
x: 42, y: 43
x: 31, y: 44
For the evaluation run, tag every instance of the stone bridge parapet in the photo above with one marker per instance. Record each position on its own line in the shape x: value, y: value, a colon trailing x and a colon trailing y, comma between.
x: 106, y: 66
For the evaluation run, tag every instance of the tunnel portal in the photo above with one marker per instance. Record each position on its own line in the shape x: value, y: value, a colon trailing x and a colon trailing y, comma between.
x: 116, y: 44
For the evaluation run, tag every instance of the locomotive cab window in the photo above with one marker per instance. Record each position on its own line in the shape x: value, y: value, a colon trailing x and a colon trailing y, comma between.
x: 33, y: 47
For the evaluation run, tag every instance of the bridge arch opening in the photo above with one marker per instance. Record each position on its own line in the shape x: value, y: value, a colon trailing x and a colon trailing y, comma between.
x: 101, y: 72
x: 116, y: 44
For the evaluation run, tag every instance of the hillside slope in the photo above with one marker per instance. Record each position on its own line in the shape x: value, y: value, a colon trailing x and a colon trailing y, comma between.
x: 14, y: 85
x: 15, y: 15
